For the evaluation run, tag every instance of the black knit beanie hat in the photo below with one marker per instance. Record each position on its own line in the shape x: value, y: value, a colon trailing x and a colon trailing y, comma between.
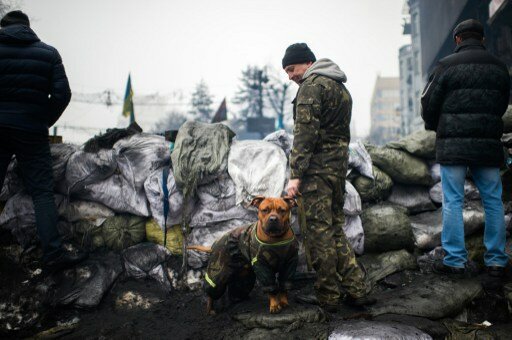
x: 297, y: 54
x: 15, y: 18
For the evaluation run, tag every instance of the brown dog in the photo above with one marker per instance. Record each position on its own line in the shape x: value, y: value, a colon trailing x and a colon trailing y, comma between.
x: 258, y: 251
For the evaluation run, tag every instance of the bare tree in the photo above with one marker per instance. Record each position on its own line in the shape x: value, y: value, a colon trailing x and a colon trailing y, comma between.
x: 7, y: 6
x: 277, y: 92
x: 251, y: 93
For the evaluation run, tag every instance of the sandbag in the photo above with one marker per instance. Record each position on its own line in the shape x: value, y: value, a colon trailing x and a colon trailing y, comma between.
x: 354, y: 232
x: 206, y: 237
x: 378, y: 266
x: 427, y: 227
x: 60, y: 157
x: 123, y: 231
x: 139, y: 155
x: 88, y: 168
x: 218, y: 195
x: 373, y: 190
x: 117, y: 193
x: 174, y: 240
x: 282, y: 139
x: 427, y: 296
x: 94, y: 212
x: 376, y: 330
x: 257, y: 168
x: 147, y: 260
x: 18, y: 216
x: 352, y: 205
x: 87, y: 235
x: 200, y: 154
x: 85, y: 285
x: 289, y: 316
x: 507, y: 120
x: 415, y: 198
x: 360, y: 160
x: 155, y: 196
x: 401, y: 166
x: 386, y: 227
x: 471, y: 192
x: 420, y: 143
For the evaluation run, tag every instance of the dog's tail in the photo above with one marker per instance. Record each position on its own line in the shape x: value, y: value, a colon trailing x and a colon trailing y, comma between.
x: 200, y: 248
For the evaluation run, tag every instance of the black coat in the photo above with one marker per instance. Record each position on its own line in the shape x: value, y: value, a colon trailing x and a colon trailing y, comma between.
x: 464, y: 100
x: 34, y: 89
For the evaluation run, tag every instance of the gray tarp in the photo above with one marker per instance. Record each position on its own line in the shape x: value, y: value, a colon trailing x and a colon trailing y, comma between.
x: 420, y: 143
x: 401, y: 166
x: 87, y: 168
x: 359, y: 159
x: 200, y: 154
x: 354, y: 232
x: 352, y: 204
x: 257, y: 168
x: 386, y: 227
x: 282, y: 139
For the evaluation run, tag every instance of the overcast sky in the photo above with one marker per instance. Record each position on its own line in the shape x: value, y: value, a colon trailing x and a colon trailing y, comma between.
x: 170, y: 45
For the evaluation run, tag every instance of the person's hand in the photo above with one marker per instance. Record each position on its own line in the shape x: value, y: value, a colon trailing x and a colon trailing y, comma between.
x: 293, y: 187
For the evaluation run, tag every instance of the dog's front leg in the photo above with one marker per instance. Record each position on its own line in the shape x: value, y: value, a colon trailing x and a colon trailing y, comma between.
x: 283, y: 299
x: 275, y: 307
x: 209, y: 306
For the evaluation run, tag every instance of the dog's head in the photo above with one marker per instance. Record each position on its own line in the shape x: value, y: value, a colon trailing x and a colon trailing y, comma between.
x: 274, y: 214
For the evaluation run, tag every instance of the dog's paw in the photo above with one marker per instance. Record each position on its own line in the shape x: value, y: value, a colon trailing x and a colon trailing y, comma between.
x: 275, y: 309
x: 283, y: 300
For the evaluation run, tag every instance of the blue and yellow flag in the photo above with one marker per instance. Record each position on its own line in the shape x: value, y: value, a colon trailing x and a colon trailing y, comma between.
x: 128, y: 101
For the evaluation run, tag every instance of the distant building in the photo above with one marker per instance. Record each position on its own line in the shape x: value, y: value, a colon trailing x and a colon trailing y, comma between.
x: 407, y: 92
x: 385, y: 110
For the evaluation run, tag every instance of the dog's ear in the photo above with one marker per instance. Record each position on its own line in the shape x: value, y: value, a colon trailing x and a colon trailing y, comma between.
x: 257, y: 201
x: 290, y: 201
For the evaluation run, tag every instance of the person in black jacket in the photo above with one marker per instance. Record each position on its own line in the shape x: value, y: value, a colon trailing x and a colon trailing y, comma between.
x: 34, y: 91
x: 464, y: 100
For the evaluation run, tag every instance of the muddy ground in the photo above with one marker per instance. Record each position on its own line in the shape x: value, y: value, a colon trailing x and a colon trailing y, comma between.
x: 137, y: 309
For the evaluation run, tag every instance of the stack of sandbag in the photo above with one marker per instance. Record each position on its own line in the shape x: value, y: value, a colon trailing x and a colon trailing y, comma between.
x: 353, y: 227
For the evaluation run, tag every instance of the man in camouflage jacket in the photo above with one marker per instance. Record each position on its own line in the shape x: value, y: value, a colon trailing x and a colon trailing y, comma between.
x: 318, y: 162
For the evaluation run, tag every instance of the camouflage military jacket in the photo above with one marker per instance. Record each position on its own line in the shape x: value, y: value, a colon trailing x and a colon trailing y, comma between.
x: 267, y: 260
x: 321, y: 114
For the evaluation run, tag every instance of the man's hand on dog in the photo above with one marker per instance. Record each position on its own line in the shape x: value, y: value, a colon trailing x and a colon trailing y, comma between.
x: 293, y: 187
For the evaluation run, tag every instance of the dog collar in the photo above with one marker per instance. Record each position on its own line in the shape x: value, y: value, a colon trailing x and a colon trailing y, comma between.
x: 277, y: 244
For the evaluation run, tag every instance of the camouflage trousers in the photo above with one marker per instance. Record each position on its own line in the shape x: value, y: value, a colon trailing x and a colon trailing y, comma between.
x: 332, y: 255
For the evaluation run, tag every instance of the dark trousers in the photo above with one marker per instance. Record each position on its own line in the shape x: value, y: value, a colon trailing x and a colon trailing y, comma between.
x: 32, y: 152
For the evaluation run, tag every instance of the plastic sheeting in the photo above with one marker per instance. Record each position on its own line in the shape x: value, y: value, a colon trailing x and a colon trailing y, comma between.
x: 12, y: 182
x: 401, y: 166
x: 18, y: 216
x: 353, y: 330
x: 352, y: 205
x: 139, y: 155
x: 420, y: 143
x: 386, y: 227
x: 155, y: 196
x: 415, y: 198
x: 282, y: 139
x: 147, y: 260
x: 87, y: 168
x: 204, y: 217
x: 470, y: 192
x: 257, y: 168
x: 359, y: 159
x: 84, y: 285
x: 435, y: 172
x: 219, y: 195
x: 354, y: 232
x: 61, y: 153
